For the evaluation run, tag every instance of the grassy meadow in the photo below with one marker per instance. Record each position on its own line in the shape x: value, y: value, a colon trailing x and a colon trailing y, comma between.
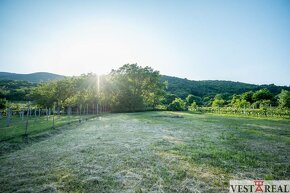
x: 150, y: 152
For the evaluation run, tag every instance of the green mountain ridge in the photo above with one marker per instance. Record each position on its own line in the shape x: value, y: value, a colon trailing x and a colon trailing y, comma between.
x: 181, y: 87
x: 33, y: 77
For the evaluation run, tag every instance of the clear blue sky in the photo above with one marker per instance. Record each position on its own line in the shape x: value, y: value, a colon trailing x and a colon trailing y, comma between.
x: 240, y: 40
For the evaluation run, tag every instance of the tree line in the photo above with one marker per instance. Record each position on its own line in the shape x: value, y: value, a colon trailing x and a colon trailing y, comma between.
x: 260, y: 99
x: 133, y: 88
x: 128, y: 89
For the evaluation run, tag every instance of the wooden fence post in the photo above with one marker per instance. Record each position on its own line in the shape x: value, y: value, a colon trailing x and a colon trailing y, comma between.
x: 8, y: 116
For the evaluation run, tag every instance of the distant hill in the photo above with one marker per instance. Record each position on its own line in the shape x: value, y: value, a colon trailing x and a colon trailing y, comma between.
x: 178, y: 86
x: 183, y: 87
x: 33, y: 77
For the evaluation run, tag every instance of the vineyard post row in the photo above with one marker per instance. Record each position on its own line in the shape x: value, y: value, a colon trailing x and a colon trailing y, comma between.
x: 12, y: 119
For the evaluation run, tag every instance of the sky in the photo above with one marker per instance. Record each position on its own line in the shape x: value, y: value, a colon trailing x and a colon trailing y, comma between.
x: 239, y: 40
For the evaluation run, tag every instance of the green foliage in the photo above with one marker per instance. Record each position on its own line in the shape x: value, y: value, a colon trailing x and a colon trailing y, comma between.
x: 262, y: 104
x: 3, y: 103
x: 161, y: 107
x: 177, y: 105
x: 284, y: 99
x: 257, y: 112
x: 248, y: 96
x: 73, y: 91
x: 168, y: 98
x: 207, y: 101
x: 208, y: 88
x: 135, y: 88
x: 262, y: 94
x: 239, y: 102
x: 15, y: 90
x: 44, y: 94
x: 192, y: 98
x: 265, y: 104
x: 127, y: 89
x: 218, y: 101
x: 244, y: 103
x: 189, y: 99
x: 193, y: 106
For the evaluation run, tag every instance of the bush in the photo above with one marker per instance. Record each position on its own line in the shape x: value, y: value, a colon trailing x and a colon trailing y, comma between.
x: 3, y: 103
x: 218, y: 101
x: 177, y: 105
x: 161, y: 107
x: 193, y: 106
x: 284, y: 99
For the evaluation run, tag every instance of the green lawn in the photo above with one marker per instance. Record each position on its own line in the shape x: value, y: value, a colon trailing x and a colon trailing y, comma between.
x: 151, y: 152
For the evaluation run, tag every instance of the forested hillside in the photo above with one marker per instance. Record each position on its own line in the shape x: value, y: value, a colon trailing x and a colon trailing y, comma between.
x: 183, y: 87
x: 15, y: 90
x: 33, y: 77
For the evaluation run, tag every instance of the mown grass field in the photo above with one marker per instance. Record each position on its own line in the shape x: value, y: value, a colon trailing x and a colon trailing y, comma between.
x: 151, y: 152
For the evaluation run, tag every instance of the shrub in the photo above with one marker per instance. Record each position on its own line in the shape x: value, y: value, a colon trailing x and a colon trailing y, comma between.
x: 193, y: 106
x: 177, y: 105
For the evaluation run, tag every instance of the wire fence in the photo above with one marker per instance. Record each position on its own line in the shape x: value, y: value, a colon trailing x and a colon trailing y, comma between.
x: 18, y: 124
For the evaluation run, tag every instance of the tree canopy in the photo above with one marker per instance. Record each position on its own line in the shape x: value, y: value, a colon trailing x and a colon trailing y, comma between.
x: 284, y: 99
x: 129, y: 88
x: 135, y: 88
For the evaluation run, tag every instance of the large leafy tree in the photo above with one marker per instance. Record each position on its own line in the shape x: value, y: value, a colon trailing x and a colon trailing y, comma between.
x: 135, y: 88
x: 262, y: 94
x: 44, y: 94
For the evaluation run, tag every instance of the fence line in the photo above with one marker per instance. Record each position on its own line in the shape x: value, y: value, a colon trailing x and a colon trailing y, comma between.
x: 25, y: 121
